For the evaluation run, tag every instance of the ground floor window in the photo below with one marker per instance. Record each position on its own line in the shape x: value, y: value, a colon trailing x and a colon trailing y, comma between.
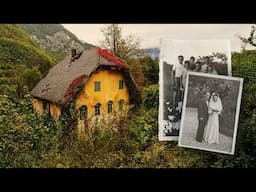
x: 83, y: 112
x: 121, y: 104
x: 97, y: 109
x: 110, y: 106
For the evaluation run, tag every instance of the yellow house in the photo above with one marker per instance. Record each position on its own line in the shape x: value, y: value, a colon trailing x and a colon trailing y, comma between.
x: 95, y: 80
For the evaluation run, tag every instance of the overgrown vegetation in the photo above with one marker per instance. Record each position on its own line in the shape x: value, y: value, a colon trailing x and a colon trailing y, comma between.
x: 27, y: 141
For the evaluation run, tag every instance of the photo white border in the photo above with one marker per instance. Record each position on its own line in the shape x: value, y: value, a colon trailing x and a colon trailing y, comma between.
x: 236, y: 116
x: 161, y: 137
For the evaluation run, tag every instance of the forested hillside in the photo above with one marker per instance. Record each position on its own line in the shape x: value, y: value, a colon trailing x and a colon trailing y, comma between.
x: 54, y: 39
x: 22, y: 62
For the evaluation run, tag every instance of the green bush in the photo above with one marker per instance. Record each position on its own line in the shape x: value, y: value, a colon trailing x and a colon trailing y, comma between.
x: 30, y: 77
x: 150, y: 70
x: 24, y: 138
x: 151, y: 97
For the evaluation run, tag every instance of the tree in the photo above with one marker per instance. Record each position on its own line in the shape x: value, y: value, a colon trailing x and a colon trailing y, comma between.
x: 136, y: 70
x: 123, y: 47
x: 251, y: 40
x: 150, y: 70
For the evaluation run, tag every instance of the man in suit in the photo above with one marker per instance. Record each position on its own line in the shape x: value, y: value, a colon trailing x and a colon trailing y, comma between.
x: 202, y: 110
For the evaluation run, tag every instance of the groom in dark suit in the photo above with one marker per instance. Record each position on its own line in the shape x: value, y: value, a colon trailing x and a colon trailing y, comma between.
x: 202, y: 110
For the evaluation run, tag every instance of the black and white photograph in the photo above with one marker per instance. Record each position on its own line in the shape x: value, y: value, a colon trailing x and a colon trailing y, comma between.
x: 177, y: 58
x: 210, y: 112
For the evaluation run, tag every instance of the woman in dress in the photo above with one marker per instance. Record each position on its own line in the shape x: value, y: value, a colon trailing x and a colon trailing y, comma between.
x: 211, y: 133
x: 211, y: 70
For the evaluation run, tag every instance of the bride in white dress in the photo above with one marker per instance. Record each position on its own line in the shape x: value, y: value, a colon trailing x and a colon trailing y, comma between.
x: 211, y: 133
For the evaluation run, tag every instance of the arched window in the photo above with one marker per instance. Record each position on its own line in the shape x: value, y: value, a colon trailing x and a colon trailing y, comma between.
x: 97, y: 109
x: 83, y: 112
x: 110, y: 106
x: 121, y: 104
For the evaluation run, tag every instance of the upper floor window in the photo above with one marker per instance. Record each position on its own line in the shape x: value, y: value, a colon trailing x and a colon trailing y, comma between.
x: 110, y: 106
x: 121, y: 84
x: 121, y: 104
x: 83, y: 112
x: 97, y: 109
x: 97, y: 86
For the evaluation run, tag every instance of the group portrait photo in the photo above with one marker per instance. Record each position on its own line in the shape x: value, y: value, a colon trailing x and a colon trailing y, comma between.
x: 177, y: 58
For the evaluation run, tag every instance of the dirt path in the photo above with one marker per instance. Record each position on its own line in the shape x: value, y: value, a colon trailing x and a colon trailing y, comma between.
x: 189, y: 134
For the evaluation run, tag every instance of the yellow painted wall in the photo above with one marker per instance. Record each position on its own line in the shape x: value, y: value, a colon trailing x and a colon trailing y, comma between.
x: 38, y: 106
x: 109, y: 92
x: 55, y: 111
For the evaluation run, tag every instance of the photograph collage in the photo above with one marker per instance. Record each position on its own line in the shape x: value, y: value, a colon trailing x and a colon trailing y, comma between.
x: 127, y: 95
x: 194, y: 83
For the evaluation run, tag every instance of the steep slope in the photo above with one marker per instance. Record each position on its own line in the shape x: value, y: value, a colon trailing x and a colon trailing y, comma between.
x: 54, y: 38
x: 16, y: 33
x: 22, y: 62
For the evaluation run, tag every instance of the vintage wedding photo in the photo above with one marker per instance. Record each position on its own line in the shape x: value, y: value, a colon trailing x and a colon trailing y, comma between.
x: 211, y: 112
x: 177, y: 58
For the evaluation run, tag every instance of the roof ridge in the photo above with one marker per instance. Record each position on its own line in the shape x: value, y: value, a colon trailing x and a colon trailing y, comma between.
x: 112, y: 58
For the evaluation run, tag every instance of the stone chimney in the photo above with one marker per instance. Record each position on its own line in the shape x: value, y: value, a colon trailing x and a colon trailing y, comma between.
x: 73, y: 54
